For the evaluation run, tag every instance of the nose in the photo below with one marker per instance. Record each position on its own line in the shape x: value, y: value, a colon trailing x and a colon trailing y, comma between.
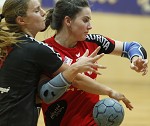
x: 89, y: 26
x: 43, y: 12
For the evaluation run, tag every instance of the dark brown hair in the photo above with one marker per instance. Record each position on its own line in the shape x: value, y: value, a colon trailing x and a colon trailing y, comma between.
x: 56, y: 15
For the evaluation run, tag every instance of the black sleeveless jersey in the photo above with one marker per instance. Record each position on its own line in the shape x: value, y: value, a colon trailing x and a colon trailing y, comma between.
x: 19, y: 75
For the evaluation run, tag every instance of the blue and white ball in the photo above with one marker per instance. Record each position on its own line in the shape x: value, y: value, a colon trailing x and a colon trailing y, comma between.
x: 108, y: 112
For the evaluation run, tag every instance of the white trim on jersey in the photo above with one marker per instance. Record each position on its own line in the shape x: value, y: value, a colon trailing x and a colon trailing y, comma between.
x: 45, y: 44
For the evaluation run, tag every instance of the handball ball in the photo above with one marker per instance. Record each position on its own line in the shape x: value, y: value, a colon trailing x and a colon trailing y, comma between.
x: 108, y: 112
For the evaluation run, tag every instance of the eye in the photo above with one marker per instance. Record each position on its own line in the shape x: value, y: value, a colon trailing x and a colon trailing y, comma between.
x: 85, y: 20
x: 37, y: 9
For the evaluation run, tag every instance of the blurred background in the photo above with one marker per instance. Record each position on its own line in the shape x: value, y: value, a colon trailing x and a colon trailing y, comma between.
x: 124, y: 20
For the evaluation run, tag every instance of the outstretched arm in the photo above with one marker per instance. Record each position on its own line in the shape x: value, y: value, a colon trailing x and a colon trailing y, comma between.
x: 134, y: 51
x: 51, y: 90
x: 89, y: 85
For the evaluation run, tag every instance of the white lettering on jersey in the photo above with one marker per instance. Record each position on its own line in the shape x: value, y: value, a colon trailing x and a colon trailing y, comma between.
x: 72, y: 89
x: 45, y: 44
x: 56, y: 112
x: 4, y: 90
x: 105, y: 43
x: 68, y: 60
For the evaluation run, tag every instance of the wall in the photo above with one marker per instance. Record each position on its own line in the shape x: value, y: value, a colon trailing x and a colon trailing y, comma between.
x: 116, y: 6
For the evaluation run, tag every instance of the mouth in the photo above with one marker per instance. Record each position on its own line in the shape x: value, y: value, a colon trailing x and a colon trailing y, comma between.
x: 86, y: 33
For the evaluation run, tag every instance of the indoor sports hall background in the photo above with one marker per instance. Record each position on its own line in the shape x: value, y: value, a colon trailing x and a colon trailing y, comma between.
x: 124, y: 20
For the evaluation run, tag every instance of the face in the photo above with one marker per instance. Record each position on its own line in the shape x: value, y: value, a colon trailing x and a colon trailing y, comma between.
x: 80, y: 26
x: 35, y: 19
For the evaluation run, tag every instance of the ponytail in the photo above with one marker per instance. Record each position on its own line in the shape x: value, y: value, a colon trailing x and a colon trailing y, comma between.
x: 49, y: 16
x: 7, y: 38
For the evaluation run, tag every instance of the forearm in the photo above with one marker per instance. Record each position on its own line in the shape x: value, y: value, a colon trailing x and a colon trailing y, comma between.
x: 51, y: 90
x: 70, y: 73
x: 89, y: 85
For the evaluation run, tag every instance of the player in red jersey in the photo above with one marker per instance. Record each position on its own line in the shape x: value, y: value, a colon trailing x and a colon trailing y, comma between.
x: 22, y: 61
x: 71, y: 20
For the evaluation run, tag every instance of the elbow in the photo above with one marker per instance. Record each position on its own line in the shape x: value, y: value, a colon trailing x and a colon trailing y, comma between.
x: 46, y: 96
x: 49, y: 93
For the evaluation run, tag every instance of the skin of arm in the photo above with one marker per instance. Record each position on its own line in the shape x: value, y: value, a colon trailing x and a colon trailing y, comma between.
x: 89, y: 85
x: 118, y: 48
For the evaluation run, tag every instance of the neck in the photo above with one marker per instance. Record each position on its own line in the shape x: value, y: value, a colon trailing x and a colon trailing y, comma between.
x: 65, y: 39
x: 32, y: 34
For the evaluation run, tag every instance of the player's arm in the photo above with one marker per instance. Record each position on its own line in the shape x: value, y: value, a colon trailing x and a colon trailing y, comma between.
x: 89, y: 85
x: 134, y: 51
x: 51, y: 90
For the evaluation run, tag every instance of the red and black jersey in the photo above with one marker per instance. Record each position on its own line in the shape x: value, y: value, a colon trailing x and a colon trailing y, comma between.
x: 75, y: 107
x: 19, y: 75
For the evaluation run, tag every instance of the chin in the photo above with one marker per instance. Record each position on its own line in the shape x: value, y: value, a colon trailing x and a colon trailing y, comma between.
x: 84, y: 37
x: 43, y: 29
x: 81, y: 37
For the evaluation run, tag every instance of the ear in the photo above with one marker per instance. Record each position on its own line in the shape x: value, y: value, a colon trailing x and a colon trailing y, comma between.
x: 20, y: 20
x: 67, y: 21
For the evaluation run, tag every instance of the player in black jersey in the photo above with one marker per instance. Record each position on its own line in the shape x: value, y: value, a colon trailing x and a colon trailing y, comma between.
x: 23, y: 60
